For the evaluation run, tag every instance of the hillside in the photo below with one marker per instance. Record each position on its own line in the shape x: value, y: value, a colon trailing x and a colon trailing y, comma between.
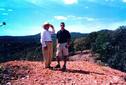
x: 78, y: 73
x: 107, y: 46
x: 24, y: 47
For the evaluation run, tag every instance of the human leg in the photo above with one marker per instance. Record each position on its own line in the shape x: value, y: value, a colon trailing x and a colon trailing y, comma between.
x: 50, y: 52
x: 46, y: 55
x: 58, y: 55
x: 65, y: 56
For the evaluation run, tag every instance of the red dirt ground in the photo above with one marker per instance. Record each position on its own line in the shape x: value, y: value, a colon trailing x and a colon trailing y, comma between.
x: 78, y: 73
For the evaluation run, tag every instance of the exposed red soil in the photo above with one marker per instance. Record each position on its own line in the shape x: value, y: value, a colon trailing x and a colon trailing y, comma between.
x: 77, y: 73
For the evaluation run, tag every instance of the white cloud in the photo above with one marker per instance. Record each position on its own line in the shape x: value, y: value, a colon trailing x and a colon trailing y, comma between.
x: 10, y: 10
x: 2, y: 9
x: 124, y: 1
x: 89, y: 18
x: 40, y: 2
x: 84, y: 18
x: 85, y: 27
x: 32, y: 30
x: 35, y: 2
x: 74, y: 18
x: 82, y: 28
x: 70, y: 1
x: 4, y: 13
x: 60, y: 17
x: 115, y: 25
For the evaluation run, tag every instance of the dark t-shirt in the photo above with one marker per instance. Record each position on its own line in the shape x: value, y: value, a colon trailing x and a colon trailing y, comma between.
x: 63, y: 36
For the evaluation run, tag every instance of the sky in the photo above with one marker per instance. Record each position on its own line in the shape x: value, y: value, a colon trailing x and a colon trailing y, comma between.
x: 26, y: 17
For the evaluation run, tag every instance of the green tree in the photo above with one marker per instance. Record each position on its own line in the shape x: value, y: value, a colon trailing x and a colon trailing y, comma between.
x: 79, y: 44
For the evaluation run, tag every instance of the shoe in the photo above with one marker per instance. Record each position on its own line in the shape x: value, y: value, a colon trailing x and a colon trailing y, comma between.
x: 57, y: 66
x: 49, y: 67
x: 64, y: 68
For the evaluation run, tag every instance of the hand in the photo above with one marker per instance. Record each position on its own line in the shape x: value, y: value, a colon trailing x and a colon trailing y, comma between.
x: 51, y: 26
x: 58, y: 45
x: 67, y: 46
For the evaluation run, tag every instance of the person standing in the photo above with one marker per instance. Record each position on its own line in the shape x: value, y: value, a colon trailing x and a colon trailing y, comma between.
x: 63, y: 42
x: 47, y: 44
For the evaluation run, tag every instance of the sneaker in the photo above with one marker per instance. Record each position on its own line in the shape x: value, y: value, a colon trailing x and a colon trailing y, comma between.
x: 49, y: 67
x: 64, y: 68
x: 57, y: 66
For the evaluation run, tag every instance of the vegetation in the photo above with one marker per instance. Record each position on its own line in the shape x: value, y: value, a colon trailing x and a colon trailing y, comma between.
x: 25, y: 47
x: 110, y: 45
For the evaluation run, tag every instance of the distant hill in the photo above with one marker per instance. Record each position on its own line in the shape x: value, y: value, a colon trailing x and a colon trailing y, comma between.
x: 33, y: 38
x: 24, y: 47
x: 108, y: 45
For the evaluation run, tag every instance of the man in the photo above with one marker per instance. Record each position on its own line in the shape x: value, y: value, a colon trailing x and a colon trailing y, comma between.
x: 46, y: 42
x: 63, y: 42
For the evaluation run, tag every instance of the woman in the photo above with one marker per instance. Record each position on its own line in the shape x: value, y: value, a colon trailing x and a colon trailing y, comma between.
x: 46, y: 41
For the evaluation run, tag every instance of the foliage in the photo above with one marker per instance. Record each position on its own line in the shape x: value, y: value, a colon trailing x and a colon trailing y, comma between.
x: 79, y: 44
x: 27, y: 47
x: 111, y: 47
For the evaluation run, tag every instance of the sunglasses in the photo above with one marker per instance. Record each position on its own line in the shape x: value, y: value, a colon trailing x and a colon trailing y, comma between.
x: 61, y: 25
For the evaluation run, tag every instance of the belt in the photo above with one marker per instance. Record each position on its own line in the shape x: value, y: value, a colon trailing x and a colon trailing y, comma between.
x: 49, y: 41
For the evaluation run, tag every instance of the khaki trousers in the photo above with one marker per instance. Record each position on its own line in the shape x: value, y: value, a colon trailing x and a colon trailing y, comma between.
x: 47, y: 54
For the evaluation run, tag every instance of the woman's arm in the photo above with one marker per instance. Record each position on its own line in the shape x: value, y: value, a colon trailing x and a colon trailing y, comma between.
x: 53, y: 30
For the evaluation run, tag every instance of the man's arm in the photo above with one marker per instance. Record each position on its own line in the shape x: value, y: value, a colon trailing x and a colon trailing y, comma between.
x: 68, y: 40
x: 57, y: 38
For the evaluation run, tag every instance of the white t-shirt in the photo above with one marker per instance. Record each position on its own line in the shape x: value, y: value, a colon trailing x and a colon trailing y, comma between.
x: 46, y: 36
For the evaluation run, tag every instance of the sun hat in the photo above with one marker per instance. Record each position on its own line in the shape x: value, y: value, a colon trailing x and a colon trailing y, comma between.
x: 46, y: 23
